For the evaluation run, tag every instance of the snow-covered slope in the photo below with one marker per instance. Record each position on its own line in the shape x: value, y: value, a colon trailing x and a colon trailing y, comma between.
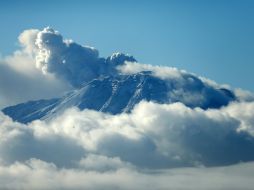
x: 120, y: 93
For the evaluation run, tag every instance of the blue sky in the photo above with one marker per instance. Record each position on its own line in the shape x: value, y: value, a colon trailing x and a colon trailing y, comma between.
x: 210, y: 38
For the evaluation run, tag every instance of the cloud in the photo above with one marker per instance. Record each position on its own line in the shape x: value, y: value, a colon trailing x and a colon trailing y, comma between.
x: 20, y: 81
x: 36, y: 174
x: 244, y: 95
x: 93, y: 150
x: 100, y: 163
x: 168, y: 135
x: 27, y: 40
x: 244, y: 113
x: 157, y: 71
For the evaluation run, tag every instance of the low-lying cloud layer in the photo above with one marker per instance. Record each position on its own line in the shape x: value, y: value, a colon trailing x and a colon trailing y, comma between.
x: 155, y: 146
x: 167, y: 136
x: 36, y: 174
x: 89, y: 149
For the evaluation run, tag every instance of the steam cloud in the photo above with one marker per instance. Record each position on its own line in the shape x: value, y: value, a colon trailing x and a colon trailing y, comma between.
x: 75, y: 63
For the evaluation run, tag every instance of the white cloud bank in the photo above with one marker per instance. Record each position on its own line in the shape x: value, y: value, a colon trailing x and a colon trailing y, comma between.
x: 93, y: 150
x: 36, y: 174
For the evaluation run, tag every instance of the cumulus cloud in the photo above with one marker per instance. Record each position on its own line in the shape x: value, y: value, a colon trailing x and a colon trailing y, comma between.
x: 21, y: 82
x: 36, y: 174
x: 167, y: 136
x: 244, y: 113
x: 90, y: 149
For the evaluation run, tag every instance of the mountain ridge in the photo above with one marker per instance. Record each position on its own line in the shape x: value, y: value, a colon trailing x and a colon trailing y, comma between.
x: 115, y: 94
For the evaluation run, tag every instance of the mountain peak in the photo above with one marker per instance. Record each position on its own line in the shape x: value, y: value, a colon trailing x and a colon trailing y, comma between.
x: 120, y: 93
